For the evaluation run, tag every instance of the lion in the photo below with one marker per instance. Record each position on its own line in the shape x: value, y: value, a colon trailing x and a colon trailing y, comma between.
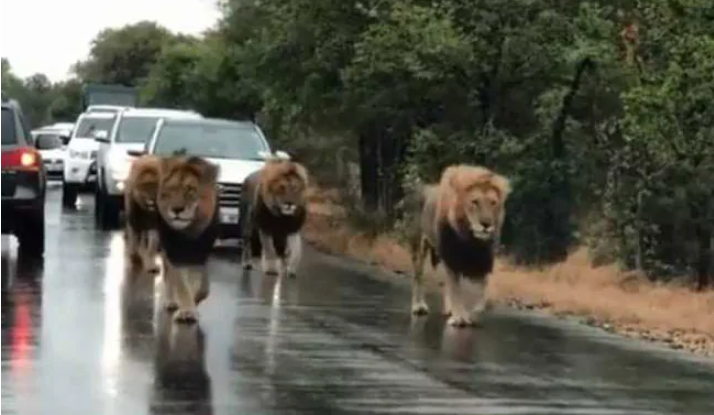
x: 458, y: 222
x: 188, y: 222
x: 274, y: 202
x: 141, y: 235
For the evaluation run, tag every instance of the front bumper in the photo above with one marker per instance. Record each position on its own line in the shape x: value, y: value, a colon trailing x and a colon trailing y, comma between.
x: 80, y: 171
x: 54, y: 168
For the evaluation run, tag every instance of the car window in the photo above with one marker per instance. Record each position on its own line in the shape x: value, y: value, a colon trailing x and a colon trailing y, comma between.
x: 8, y: 127
x: 88, y: 125
x: 210, y: 140
x: 48, y: 141
x: 135, y: 129
x: 25, y: 129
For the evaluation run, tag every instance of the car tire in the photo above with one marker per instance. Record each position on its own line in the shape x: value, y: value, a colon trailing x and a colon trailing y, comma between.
x: 106, y: 211
x: 69, y: 195
x: 31, y: 234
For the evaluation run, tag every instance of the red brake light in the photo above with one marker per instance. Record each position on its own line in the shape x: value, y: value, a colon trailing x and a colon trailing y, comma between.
x: 26, y: 158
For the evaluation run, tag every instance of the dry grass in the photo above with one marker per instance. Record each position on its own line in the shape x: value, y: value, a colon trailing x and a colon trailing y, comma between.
x: 614, y: 300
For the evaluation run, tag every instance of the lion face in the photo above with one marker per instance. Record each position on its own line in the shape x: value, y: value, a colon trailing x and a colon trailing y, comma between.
x: 144, y: 190
x: 474, y: 196
x: 284, y: 187
x: 483, y: 210
x: 186, y: 191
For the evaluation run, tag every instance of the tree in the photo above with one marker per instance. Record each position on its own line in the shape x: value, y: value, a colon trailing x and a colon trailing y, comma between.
x: 124, y: 55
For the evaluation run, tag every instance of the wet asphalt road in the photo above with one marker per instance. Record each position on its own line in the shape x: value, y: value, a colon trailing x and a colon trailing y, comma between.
x: 338, y: 340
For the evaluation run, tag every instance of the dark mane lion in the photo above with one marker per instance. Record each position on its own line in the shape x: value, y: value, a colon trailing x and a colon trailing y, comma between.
x: 275, y: 208
x: 457, y: 222
x: 142, y: 240
x: 187, y: 203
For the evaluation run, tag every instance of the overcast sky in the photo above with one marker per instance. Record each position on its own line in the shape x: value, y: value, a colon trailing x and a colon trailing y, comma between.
x: 48, y: 36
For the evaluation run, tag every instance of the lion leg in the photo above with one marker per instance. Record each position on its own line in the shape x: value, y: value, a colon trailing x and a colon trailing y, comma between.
x: 132, y: 246
x: 203, y: 285
x: 170, y: 276
x: 481, y: 300
x: 152, y: 249
x: 269, y: 258
x: 184, y: 287
x: 294, y: 254
x: 419, y: 306
x: 247, y: 248
x: 459, y: 316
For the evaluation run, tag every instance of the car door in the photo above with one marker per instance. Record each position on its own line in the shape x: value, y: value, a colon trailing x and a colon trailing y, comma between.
x: 104, y: 150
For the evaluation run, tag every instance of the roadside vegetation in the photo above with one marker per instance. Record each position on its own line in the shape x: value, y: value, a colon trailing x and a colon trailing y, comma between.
x: 600, y: 112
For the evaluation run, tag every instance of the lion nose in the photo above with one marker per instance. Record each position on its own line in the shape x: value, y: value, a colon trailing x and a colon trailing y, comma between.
x: 486, y: 225
x: 176, y: 210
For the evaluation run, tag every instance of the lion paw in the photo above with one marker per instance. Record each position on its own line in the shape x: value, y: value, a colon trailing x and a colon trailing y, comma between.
x: 186, y: 316
x: 459, y: 321
x: 420, y: 309
x: 247, y: 265
x: 270, y: 268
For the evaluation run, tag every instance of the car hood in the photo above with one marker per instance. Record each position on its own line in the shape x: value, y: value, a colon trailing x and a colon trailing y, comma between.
x: 83, y: 144
x: 235, y: 171
x: 55, y: 153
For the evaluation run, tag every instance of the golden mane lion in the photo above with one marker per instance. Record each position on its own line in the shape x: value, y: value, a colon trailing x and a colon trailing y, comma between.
x: 142, y: 239
x: 457, y: 222
x: 187, y: 203
x: 274, y: 207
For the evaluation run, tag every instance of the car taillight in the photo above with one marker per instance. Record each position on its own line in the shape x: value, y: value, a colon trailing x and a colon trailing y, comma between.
x: 26, y: 158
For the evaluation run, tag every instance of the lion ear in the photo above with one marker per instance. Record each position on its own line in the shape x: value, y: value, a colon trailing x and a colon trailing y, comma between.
x: 211, y: 172
x: 302, y: 172
x: 502, y: 184
x: 207, y: 170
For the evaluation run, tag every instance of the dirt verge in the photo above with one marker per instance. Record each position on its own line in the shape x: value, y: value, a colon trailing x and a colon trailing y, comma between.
x: 603, y: 297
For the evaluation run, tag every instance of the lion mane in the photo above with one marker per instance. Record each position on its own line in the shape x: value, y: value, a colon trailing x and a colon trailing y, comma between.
x: 457, y: 222
x: 187, y: 205
x: 275, y: 208
x: 140, y: 212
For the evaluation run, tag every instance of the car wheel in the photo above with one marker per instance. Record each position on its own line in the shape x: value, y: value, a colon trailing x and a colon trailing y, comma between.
x: 31, y: 234
x: 107, y: 211
x: 69, y: 194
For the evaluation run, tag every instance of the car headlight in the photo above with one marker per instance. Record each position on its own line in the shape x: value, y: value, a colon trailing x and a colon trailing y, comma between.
x: 119, y: 164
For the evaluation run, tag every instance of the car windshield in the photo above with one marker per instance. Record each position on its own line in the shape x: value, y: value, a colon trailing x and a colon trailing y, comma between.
x: 8, y: 127
x: 47, y: 141
x: 88, y: 125
x: 211, y: 141
x: 135, y: 129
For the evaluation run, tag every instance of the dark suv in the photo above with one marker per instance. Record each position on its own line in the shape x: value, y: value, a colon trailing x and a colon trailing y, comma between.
x: 23, y: 183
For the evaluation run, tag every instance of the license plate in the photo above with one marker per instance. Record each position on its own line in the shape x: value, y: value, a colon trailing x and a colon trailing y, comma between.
x: 229, y: 215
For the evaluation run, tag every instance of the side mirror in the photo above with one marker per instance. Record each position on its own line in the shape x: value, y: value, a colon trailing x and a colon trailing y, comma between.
x: 101, y: 136
x: 136, y: 153
x: 282, y: 155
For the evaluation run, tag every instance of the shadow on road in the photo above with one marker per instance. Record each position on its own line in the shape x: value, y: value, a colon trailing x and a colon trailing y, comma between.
x: 181, y: 383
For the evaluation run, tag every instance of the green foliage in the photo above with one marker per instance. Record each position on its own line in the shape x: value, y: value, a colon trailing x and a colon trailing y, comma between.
x: 608, y: 141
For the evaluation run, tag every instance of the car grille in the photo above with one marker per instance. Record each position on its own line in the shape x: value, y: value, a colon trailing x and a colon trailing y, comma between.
x: 229, y: 194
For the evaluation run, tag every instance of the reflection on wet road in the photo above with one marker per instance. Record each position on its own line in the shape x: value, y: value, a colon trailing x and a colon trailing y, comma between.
x: 79, y: 338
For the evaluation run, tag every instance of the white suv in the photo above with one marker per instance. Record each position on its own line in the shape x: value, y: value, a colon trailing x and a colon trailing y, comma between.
x: 80, y: 171
x: 133, y: 128
x: 237, y: 147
